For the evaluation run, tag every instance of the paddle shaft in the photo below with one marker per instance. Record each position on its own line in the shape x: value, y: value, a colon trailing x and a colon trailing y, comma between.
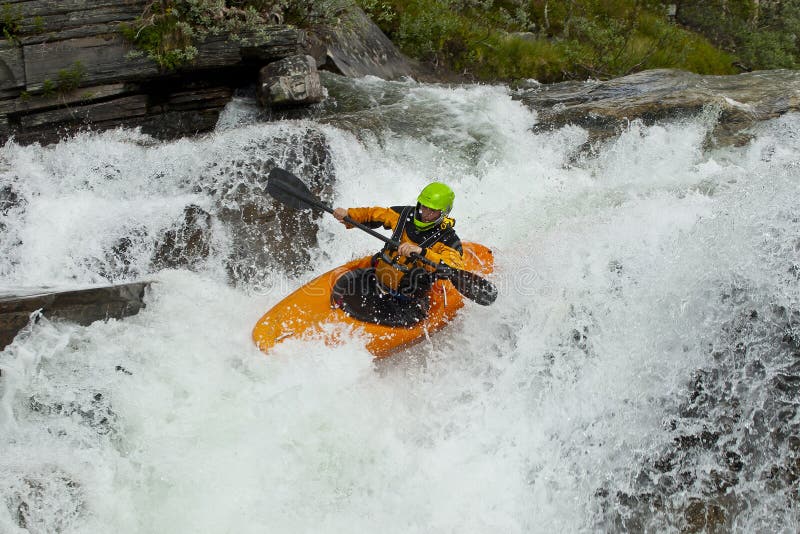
x: 282, y: 183
x: 314, y: 202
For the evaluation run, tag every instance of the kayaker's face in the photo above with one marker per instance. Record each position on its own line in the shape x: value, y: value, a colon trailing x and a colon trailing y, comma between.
x: 428, y: 215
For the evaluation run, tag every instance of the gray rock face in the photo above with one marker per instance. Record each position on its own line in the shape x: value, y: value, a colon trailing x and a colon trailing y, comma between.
x: 289, y: 82
x: 83, y: 306
x: 68, y: 68
x: 359, y: 48
x: 605, y: 107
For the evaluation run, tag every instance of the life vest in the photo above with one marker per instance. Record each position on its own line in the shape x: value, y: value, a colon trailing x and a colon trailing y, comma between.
x: 390, y: 267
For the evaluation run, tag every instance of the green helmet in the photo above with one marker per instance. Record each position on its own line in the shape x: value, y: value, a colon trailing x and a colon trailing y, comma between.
x: 436, y: 196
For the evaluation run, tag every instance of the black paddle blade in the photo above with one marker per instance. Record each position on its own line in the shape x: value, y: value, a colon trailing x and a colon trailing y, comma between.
x: 474, y: 287
x: 470, y: 285
x: 287, y: 189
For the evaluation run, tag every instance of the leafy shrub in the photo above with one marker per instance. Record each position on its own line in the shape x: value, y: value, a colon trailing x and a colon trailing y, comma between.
x: 10, y: 19
x: 764, y: 35
x: 545, y: 40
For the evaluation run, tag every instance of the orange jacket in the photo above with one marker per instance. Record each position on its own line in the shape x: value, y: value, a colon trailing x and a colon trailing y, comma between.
x: 437, y: 252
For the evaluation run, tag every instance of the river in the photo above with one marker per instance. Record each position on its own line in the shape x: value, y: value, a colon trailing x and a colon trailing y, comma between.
x: 639, y: 370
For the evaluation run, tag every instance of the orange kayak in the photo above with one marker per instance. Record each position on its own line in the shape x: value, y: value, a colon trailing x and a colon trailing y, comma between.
x: 307, y: 313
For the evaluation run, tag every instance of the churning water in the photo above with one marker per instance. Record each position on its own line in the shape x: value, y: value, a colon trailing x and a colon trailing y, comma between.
x: 639, y: 370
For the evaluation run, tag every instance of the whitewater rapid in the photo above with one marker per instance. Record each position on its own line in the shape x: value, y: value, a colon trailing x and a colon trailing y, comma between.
x: 520, y: 417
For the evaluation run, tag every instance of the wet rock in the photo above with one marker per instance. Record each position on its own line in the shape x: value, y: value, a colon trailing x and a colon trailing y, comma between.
x: 119, y: 261
x: 47, y: 501
x: 266, y: 236
x: 290, y: 82
x: 83, y: 306
x: 9, y: 199
x: 787, y: 383
x: 738, y: 424
x: 69, y: 68
x: 606, y: 107
x: 704, y: 517
x: 734, y: 461
x: 359, y: 48
x: 95, y: 412
x: 187, y: 245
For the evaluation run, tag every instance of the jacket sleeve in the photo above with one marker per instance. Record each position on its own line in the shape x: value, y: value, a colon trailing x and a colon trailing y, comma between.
x: 385, y: 216
x: 440, y: 252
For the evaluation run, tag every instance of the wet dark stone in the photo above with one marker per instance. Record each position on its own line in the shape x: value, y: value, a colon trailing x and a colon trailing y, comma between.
x: 665, y: 463
x: 687, y: 478
x: 667, y: 485
x: 760, y: 421
x: 119, y: 259
x: 188, y: 244
x: 722, y: 481
x: 755, y: 370
x: 701, y: 516
x: 792, y: 339
x: 31, y: 501
x: 735, y: 434
x: 787, y: 383
x: 9, y: 199
x: 96, y: 413
x: 265, y: 235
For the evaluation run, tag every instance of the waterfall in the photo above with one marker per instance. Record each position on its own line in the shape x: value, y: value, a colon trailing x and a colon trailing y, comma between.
x: 637, y: 372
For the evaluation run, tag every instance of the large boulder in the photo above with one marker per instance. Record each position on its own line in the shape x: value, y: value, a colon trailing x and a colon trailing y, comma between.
x: 292, y: 81
x: 605, y: 107
x: 359, y: 48
x: 265, y: 236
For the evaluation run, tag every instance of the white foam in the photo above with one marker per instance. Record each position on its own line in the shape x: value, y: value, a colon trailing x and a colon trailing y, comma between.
x: 510, y: 420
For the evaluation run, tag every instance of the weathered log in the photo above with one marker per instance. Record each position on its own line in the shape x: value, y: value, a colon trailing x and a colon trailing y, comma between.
x: 83, y: 306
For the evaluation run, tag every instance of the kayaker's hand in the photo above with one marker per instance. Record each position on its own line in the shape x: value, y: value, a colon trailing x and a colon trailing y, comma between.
x: 407, y: 249
x: 340, y: 214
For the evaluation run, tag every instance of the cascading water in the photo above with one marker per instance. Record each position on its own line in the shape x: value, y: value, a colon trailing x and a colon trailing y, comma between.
x: 638, y: 372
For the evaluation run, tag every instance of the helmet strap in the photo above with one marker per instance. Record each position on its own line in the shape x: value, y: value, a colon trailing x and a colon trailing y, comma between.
x: 429, y: 224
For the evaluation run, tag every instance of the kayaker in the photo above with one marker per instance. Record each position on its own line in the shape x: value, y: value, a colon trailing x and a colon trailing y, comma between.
x: 395, y: 290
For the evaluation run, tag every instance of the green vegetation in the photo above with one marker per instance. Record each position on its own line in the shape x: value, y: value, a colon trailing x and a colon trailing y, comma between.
x: 764, y: 35
x: 48, y: 88
x: 70, y: 79
x: 163, y: 35
x: 67, y: 81
x: 10, y: 20
x: 38, y: 24
x: 509, y: 39
x: 168, y: 30
x: 548, y: 41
